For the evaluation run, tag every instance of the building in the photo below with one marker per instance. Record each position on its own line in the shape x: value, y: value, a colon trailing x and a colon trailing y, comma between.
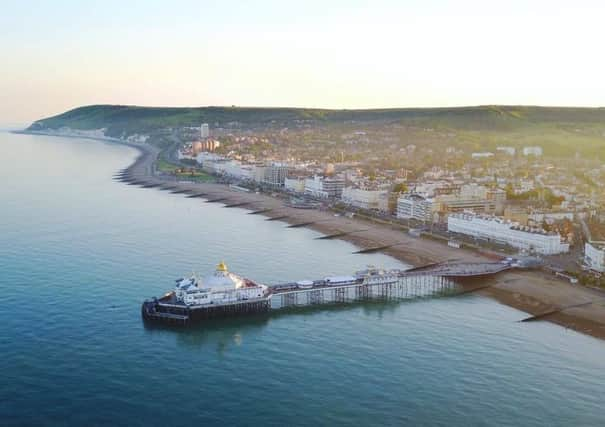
x: 436, y: 188
x: 197, y: 147
x: 473, y: 191
x: 498, y: 196
x: 234, y: 169
x: 207, y: 160
x: 532, y: 151
x: 218, y: 288
x: 204, y: 145
x: 259, y: 173
x: 498, y: 230
x: 275, y: 174
x: 415, y: 206
x: 482, y: 155
x: 365, y: 198
x: 209, y: 145
x: 510, y: 151
x: 295, y: 184
x: 453, y: 203
x: 517, y: 213
x: 594, y: 256
x: 204, y: 131
x: 550, y: 217
x: 324, y: 187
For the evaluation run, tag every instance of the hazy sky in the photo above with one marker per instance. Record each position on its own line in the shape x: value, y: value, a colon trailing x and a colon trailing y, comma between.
x: 58, y: 55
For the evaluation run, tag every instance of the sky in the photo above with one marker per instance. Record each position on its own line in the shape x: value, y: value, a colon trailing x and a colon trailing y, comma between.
x: 58, y: 55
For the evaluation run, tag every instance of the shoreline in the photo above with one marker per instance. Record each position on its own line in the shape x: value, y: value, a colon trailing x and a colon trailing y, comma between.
x: 77, y: 136
x: 533, y: 292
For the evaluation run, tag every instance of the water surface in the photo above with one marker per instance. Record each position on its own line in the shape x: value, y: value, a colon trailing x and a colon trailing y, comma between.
x: 79, y: 252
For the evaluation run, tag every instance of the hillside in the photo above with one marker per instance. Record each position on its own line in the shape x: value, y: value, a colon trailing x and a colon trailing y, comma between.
x: 120, y: 120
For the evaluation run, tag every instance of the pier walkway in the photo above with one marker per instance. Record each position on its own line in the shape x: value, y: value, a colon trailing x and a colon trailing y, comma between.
x: 430, y: 280
x: 459, y: 269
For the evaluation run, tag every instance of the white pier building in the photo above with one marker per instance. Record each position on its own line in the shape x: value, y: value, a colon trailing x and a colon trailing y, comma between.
x: 218, y: 288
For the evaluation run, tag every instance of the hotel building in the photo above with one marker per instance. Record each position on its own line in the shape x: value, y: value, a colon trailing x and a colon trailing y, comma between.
x: 594, y: 256
x: 502, y: 231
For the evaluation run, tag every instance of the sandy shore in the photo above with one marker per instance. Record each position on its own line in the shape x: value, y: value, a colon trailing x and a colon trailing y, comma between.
x: 533, y: 292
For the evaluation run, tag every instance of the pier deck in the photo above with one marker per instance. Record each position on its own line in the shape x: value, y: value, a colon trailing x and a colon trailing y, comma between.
x: 431, y: 280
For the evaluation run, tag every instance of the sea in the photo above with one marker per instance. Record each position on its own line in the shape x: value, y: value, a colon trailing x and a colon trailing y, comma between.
x: 79, y: 252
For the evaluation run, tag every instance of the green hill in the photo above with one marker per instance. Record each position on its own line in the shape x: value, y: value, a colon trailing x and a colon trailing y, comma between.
x: 561, y: 131
x: 120, y: 120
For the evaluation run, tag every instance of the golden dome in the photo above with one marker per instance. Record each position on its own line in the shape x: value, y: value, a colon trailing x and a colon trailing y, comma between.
x: 221, y: 266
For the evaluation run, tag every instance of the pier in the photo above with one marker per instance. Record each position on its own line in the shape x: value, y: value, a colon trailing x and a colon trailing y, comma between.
x: 433, y: 280
x: 398, y: 287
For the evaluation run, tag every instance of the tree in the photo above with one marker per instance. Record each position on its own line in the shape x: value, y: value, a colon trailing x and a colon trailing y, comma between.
x: 400, y: 188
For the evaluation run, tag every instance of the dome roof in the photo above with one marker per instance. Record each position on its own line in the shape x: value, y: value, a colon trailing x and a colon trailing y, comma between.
x: 221, y: 266
x: 222, y: 279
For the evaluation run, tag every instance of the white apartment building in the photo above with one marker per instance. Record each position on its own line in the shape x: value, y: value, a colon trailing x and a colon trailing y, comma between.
x: 532, y: 151
x: 295, y: 185
x: 275, y: 174
x: 594, y: 256
x: 415, y: 206
x: 238, y: 170
x: 366, y: 198
x: 482, y: 155
x: 204, y: 131
x: 259, y: 173
x: 507, y: 150
x: 506, y: 232
x: 324, y: 187
x: 205, y: 156
x: 214, y: 166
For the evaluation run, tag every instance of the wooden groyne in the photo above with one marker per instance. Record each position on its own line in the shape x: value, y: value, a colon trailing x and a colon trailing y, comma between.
x: 550, y: 312
x: 301, y: 224
x: 340, y: 234
x: 277, y: 218
x: 236, y: 205
x: 260, y: 211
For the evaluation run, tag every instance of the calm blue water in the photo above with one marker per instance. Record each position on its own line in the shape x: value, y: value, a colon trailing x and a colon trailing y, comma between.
x: 79, y: 252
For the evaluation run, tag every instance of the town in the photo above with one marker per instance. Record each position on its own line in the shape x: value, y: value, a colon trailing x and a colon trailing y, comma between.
x: 509, y: 199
